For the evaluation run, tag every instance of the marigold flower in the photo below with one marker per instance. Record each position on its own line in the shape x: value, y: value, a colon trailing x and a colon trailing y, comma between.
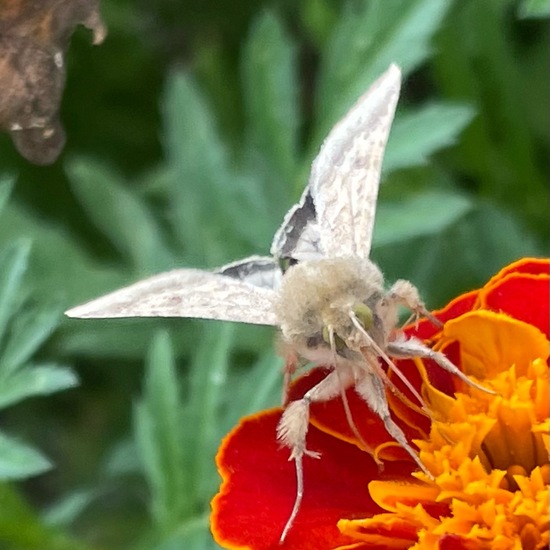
x: 489, y: 454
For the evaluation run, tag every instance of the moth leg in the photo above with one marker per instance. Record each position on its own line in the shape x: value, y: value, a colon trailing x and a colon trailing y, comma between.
x: 415, y: 348
x: 371, y: 389
x: 291, y: 366
x: 404, y: 293
x: 293, y: 426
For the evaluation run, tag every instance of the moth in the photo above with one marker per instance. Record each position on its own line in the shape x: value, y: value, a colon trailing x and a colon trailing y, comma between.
x: 328, y: 299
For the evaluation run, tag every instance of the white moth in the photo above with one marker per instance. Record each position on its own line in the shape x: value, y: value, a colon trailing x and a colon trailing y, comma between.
x: 330, y: 304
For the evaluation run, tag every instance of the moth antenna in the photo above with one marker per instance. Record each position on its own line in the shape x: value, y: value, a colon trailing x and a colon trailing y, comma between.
x: 392, y: 366
x: 426, y: 314
x: 432, y: 318
x: 299, y: 495
x: 345, y: 402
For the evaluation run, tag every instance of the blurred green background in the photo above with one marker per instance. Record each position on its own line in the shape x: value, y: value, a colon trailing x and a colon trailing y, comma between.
x: 190, y: 133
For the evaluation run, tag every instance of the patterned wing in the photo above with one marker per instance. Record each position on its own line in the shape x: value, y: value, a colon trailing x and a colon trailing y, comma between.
x: 262, y: 271
x: 298, y: 237
x: 345, y: 175
x: 186, y: 293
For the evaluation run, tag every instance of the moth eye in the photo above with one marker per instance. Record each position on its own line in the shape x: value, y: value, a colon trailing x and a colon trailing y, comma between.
x: 338, y: 342
x: 364, y: 314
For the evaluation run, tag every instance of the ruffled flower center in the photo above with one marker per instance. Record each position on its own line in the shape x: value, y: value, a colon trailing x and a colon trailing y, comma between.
x: 488, y: 454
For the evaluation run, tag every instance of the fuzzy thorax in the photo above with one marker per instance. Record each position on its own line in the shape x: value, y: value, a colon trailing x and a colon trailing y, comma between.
x: 319, y: 294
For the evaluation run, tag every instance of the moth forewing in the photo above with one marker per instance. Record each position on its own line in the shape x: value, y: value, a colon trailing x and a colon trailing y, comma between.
x: 346, y: 173
x: 186, y: 293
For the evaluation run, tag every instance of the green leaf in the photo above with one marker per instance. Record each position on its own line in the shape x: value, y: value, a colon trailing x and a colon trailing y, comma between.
x: 6, y: 185
x: 28, y: 330
x: 217, y: 211
x: 20, y: 528
x: 13, y: 263
x: 459, y: 258
x: 417, y: 135
x: 534, y: 9
x: 208, y: 373
x: 496, y: 238
x: 19, y: 461
x: 120, y: 214
x: 260, y: 388
x: 422, y: 214
x: 318, y: 18
x: 58, y: 262
x: 370, y: 36
x: 35, y: 380
x: 501, y: 149
x: 122, y: 459
x: 157, y: 428
x: 271, y: 99
x: 69, y: 508
x: 200, y: 162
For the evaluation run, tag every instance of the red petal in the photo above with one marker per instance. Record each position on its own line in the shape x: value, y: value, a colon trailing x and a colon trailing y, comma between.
x: 455, y: 308
x: 259, y: 486
x: 524, y: 297
x: 533, y: 266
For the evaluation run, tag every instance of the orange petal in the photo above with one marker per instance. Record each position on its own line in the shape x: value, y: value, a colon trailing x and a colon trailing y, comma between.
x: 389, y: 494
x: 385, y: 531
x: 491, y: 342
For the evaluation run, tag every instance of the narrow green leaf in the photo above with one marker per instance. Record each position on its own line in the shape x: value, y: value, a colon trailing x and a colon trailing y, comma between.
x: 370, y: 36
x: 35, y: 380
x: 120, y: 214
x: 191, y: 534
x: 216, y: 211
x: 58, y: 263
x: 260, y: 389
x: 13, y: 263
x: 500, y: 150
x: 157, y: 428
x: 417, y: 135
x: 199, y: 159
x: 6, y: 185
x: 65, y: 511
x: 145, y: 434
x: 318, y: 18
x: 28, y: 330
x: 497, y: 238
x: 534, y: 9
x: 271, y: 98
x: 21, y: 529
x: 208, y: 374
x: 122, y: 459
x: 19, y: 461
x: 422, y: 214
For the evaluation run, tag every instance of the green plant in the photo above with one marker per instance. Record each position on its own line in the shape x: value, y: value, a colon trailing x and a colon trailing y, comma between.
x: 238, y: 130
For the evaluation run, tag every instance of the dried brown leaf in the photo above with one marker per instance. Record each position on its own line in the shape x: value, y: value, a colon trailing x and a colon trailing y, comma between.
x: 34, y: 37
